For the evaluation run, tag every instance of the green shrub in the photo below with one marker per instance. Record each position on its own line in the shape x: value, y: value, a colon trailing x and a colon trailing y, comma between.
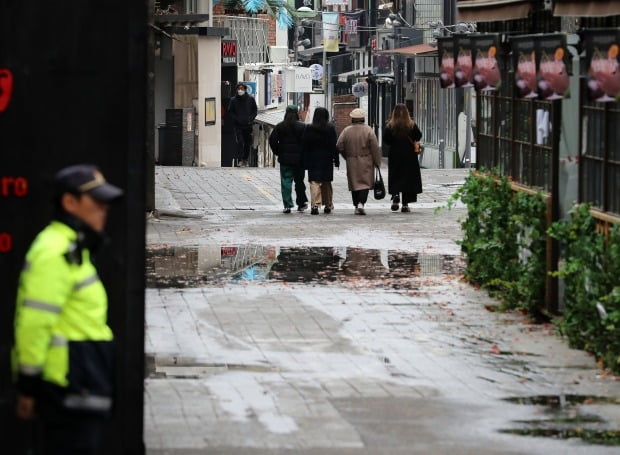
x: 504, y: 241
x: 590, y: 268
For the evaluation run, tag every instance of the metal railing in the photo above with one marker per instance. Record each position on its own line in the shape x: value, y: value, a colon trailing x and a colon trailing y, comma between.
x: 251, y: 34
x: 427, y: 109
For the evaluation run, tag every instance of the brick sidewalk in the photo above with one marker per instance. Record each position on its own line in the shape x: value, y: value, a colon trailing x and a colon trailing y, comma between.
x: 354, y: 366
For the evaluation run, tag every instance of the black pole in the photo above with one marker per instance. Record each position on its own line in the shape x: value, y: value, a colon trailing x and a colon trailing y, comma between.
x: 372, y: 92
x: 449, y: 12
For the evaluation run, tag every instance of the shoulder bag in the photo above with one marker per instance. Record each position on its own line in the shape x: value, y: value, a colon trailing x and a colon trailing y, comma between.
x: 379, y: 187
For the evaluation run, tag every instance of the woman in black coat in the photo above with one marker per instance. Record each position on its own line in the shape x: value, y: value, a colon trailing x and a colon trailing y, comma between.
x: 404, y: 176
x: 319, y: 157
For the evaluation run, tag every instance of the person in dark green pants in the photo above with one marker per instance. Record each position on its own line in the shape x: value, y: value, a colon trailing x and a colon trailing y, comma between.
x: 286, y: 143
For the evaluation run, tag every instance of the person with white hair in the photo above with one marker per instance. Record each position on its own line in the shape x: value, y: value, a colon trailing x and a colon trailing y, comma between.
x: 359, y: 147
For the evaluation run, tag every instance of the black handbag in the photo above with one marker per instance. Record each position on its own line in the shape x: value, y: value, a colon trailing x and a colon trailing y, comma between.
x: 379, y: 188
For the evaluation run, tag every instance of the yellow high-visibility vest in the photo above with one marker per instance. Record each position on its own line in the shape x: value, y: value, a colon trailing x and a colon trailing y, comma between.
x: 61, y: 329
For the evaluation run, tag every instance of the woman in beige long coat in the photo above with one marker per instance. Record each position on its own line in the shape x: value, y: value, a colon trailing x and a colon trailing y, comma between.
x: 359, y: 147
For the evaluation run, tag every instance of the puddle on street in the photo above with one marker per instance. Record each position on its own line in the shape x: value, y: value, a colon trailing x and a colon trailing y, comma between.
x: 181, y: 267
x: 565, y: 417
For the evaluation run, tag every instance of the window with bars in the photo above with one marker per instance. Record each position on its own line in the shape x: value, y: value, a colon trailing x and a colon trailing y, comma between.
x: 600, y: 156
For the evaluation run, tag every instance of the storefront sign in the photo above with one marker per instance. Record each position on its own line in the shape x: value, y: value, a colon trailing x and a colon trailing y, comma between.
x: 603, y: 65
x: 229, y: 52
x: 303, y: 80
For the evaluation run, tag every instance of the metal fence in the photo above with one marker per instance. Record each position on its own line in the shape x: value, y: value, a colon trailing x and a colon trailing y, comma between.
x: 251, y: 34
x: 425, y: 11
x: 600, y: 157
x: 427, y: 111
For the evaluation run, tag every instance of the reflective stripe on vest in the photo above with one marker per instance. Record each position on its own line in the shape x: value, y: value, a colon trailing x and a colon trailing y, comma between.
x: 29, y: 370
x: 43, y: 306
x: 91, y: 402
x: 86, y: 282
x: 57, y: 340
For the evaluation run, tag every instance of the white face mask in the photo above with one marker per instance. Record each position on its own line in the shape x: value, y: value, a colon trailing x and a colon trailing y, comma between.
x: 240, y: 92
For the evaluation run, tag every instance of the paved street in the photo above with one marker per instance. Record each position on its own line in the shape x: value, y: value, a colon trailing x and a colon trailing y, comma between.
x: 341, y: 334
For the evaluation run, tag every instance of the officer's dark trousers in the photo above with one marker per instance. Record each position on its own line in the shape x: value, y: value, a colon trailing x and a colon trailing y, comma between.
x: 66, y: 433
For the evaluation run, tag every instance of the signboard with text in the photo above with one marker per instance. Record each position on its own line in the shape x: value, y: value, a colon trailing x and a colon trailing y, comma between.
x: 229, y: 52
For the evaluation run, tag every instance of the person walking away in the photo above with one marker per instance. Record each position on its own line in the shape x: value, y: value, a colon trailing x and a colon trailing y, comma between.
x: 359, y: 147
x: 286, y: 143
x: 63, y: 350
x: 242, y: 109
x: 320, y: 156
x: 404, y: 177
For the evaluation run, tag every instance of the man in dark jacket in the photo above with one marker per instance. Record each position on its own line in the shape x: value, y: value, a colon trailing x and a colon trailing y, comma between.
x: 286, y: 143
x: 242, y: 109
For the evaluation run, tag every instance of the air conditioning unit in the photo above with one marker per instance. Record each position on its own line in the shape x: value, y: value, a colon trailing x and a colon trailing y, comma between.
x: 278, y: 54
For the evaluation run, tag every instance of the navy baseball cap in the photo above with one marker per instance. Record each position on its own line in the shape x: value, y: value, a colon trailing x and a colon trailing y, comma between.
x: 86, y: 178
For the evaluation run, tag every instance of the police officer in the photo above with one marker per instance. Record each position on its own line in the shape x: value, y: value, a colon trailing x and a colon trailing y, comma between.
x: 63, y: 353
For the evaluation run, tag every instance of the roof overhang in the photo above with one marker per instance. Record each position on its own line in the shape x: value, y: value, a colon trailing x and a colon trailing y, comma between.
x: 586, y: 8
x: 188, y: 24
x: 411, y: 51
x: 492, y: 10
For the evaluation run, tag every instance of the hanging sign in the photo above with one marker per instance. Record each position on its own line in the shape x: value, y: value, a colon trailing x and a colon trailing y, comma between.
x: 463, y: 65
x: 552, y: 75
x: 331, y: 30
x: 360, y: 89
x: 524, y: 64
x: 445, y: 47
x: 316, y: 72
x: 603, y: 63
x: 470, y: 61
x: 486, y: 72
x: 540, y: 63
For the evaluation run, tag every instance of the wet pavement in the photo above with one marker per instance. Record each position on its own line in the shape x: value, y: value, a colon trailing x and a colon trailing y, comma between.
x: 340, y: 334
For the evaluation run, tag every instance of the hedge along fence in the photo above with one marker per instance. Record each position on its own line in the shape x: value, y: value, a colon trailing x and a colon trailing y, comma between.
x: 505, y: 241
x: 590, y: 268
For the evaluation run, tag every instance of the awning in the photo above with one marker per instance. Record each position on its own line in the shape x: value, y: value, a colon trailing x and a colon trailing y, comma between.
x: 270, y: 118
x: 586, y: 8
x: 492, y: 10
x: 409, y: 50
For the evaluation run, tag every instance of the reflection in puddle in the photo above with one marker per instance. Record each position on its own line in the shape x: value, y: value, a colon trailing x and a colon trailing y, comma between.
x: 565, y: 417
x: 178, y: 267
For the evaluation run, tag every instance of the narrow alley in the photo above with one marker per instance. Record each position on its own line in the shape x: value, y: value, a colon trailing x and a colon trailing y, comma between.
x: 341, y: 334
